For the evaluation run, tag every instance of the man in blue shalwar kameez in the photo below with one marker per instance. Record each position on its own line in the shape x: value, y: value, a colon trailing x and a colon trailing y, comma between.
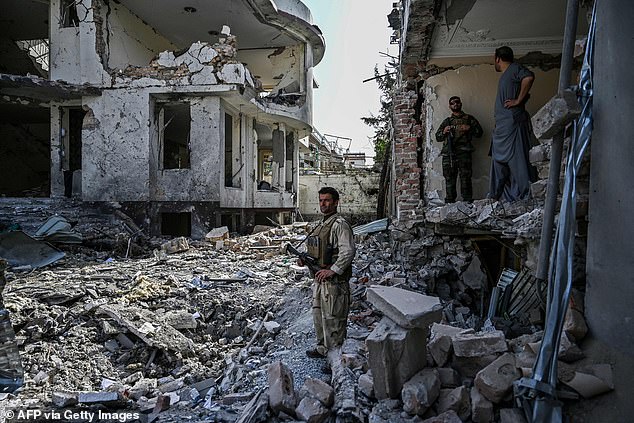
x: 511, y: 171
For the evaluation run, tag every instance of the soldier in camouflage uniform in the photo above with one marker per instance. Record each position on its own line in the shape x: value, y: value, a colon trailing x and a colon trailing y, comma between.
x: 332, y: 244
x: 456, y: 133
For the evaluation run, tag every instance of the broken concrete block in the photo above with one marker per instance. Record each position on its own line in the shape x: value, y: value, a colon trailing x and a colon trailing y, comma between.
x: 592, y: 380
x: 217, y: 234
x: 479, y: 344
x: 438, y: 329
x: 511, y: 415
x: 496, y: 380
x: 575, y: 324
x: 473, y: 276
x: 311, y: 410
x: 553, y: 117
x: 366, y: 384
x: 64, y: 399
x: 470, y: 366
x: 206, y: 76
x: 538, y: 189
x: 319, y: 390
x: 282, y: 395
x: 481, y: 408
x: 449, y: 378
x: 569, y: 351
x: 456, y: 399
x: 446, y: 417
x: 232, y: 73
x: 97, y: 397
x: 166, y: 59
x: 180, y: 319
x: 420, y: 392
x: 272, y: 326
x: 175, y: 245
x: 141, y: 388
x: 408, y: 309
x: 395, y: 355
x: 440, y: 349
x: 539, y: 153
x: 171, y: 386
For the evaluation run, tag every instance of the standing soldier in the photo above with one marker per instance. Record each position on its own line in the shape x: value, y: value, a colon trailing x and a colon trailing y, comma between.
x: 332, y: 244
x: 456, y: 132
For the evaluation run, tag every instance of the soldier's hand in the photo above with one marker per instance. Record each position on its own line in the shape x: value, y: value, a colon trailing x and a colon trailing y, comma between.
x: 323, y: 274
x: 446, y: 130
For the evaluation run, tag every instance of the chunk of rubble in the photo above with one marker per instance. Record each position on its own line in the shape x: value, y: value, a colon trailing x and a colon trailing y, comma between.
x: 176, y: 245
x: 282, y: 397
x: 217, y: 234
x: 64, y: 399
x: 496, y: 380
x: 420, y: 392
x: 319, y: 390
x: 590, y: 381
x: 479, y: 344
x: 481, y: 408
x: 408, y: 309
x: 470, y: 366
x: 449, y: 378
x: 512, y: 415
x: 575, y: 324
x: 446, y: 417
x: 456, y: 399
x: 311, y: 410
x: 97, y: 397
x: 366, y: 384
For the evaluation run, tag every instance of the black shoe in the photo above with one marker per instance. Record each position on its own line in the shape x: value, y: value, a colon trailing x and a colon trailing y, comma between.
x: 314, y: 353
x: 326, y: 370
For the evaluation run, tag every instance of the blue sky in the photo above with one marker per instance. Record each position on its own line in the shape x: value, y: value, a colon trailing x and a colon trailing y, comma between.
x: 355, y: 32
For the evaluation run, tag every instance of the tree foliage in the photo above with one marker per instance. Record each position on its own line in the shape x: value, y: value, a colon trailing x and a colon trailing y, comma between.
x: 382, y: 123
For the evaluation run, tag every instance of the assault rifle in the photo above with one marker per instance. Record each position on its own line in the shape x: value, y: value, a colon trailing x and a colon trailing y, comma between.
x: 309, y: 261
x: 450, y: 145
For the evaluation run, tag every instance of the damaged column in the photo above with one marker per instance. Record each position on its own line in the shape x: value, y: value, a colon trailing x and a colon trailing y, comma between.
x: 397, y: 345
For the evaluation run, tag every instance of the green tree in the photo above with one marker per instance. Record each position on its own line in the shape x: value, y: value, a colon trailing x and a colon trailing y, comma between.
x: 382, y: 123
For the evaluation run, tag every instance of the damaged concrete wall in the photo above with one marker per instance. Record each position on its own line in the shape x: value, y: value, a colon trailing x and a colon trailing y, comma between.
x: 358, y: 193
x: 477, y: 87
x: 131, y: 41
x: 287, y: 69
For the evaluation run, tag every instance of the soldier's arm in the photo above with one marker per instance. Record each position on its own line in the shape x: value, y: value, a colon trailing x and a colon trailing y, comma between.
x: 342, y: 233
x: 476, y: 129
x: 440, y: 136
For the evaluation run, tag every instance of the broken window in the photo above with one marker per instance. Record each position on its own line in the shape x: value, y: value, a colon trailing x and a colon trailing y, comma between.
x: 290, y: 163
x: 174, y: 123
x: 68, y: 14
x: 233, y: 153
x: 265, y: 170
x: 72, y: 122
x: 176, y: 224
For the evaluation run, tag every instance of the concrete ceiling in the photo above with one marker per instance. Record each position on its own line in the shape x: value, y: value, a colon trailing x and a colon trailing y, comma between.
x: 469, y: 30
x: 182, y: 27
x: 24, y: 19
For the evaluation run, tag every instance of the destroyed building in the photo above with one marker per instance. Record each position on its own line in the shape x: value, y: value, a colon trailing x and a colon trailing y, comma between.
x: 446, y: 49
x: 177, y: 112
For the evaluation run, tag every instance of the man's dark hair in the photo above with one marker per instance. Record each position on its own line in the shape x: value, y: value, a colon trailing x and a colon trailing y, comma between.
x: 330, y: 190
x: 505, y: 53
x: 452, y: 98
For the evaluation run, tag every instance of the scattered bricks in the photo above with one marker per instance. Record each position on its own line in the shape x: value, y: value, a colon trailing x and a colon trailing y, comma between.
x: 64, y: 399
x: 511, y: 415
x: 281, y: 388
x: 395, y: 355
x: 366, y: 384
x: 217, y: 234
x: 318, y: 390
x: 406, y: 308
x: 553, y: 117
x: 446, y: 417
x: 420, y: 392
x: 311, y: 411
x: 175, y: 245
x: 172, y: 386
x: 141, y: 388
x: 449, y: 378
x: 575, y: 324
x: 440, y: 349
x: 456, y: 399
x: 97, y: 397
x: 481, y: 408
x: 496, y: 379
x: 479, y: 344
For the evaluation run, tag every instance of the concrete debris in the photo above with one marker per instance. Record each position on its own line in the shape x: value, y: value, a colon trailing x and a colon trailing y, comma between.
x: 318, y: 390
x: 479, y: 344
x: 481, y: 408
x: 496, y: 380
x: 592, y: 380
x: 512, y: 415
x: 408, y: 309
x: 421, y: 391
x: 447, y: 417
x: 282, y: 395
x: 176, y: 245
x: 311, y: 410
x: 449, y: 378
x: 456, y: 399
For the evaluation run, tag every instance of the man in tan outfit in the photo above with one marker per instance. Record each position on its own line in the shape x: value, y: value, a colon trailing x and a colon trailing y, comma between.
x: 332, y: 244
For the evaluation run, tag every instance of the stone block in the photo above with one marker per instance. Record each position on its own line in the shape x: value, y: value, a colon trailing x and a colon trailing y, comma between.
x: 479, y: 344
x: 366, y: 384
x: 175, y: 245
x: 64, y: 399
x: 420, y: 392
x: 319, y: 390
x: 449, y: 378
x: 511, y: 415
x: 406, y: 308
x: 311, y: 410
x: 538, y: 189
x: 496, y: 380
x: 206, y: 76
x: 233, y: 73
x: 575, y: 324
x: 553, y: 117
x: 440, y: 349
x: 97, y: 397
x: 539, y: 153
x: 473, y: 276
x: 446, y: 417
x: 456, y: 399
x: 481, y: 408
x: 470, y: 366
x: 395, y: 355
x: 282, y: 395
x: 217, y: 234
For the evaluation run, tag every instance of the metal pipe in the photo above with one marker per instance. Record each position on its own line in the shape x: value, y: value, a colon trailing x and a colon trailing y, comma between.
x: 552, y: 187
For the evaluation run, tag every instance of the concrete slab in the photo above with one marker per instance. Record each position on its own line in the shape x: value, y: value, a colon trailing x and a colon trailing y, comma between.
x: 408, y: 309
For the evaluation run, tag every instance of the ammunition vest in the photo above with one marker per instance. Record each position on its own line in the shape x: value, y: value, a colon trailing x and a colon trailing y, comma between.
x: 319, y: 247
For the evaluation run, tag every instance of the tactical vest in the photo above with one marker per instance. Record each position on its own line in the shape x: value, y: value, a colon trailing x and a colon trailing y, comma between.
x: 463, y: 142
x: 319, y: 247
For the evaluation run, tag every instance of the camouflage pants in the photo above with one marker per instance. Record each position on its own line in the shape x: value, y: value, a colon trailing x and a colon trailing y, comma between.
x: 461, y: 165
x: 331, y: 304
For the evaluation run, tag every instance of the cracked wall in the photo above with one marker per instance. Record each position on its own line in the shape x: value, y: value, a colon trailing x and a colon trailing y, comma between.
x: 477, y: 87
